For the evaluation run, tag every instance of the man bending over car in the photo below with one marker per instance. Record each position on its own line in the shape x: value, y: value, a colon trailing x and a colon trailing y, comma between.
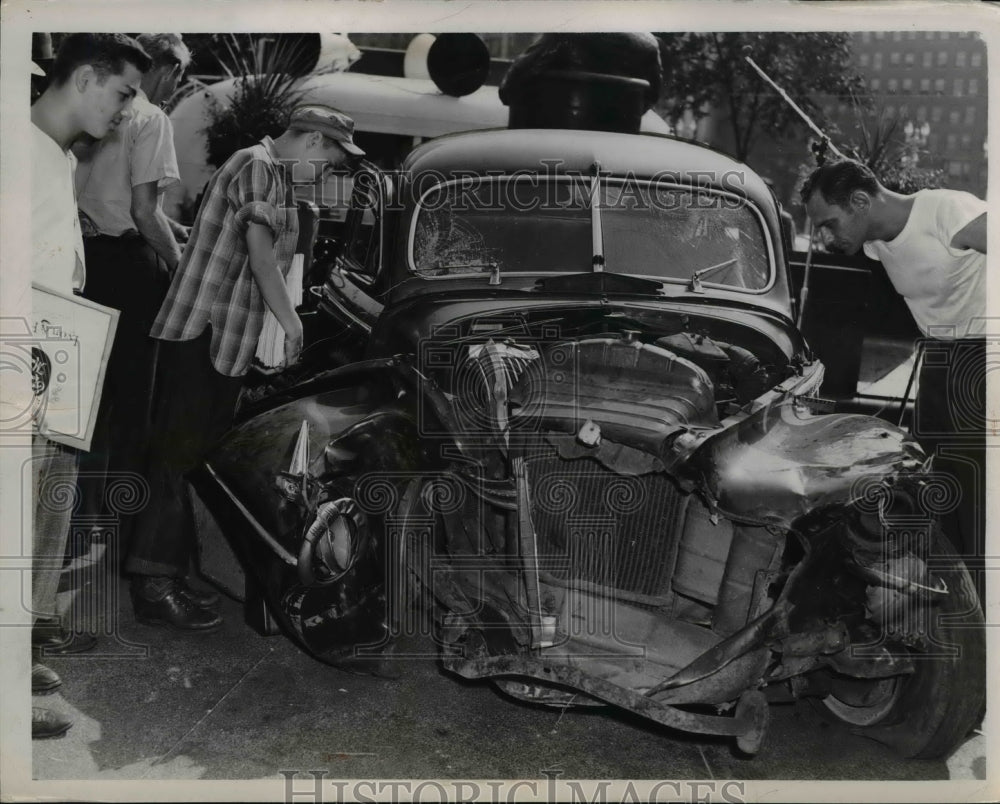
x: 232, y: 270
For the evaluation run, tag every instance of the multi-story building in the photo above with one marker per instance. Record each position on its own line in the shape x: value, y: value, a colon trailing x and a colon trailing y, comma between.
x: 936, y: 80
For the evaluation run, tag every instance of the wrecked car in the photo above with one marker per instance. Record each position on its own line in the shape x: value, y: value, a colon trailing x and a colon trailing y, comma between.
x: 580, y: 449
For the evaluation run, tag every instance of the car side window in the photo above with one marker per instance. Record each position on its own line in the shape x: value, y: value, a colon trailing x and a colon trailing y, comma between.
x: 362, y: 253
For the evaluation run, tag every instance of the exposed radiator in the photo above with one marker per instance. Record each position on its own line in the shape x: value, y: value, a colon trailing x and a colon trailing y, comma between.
x: 596, y: 526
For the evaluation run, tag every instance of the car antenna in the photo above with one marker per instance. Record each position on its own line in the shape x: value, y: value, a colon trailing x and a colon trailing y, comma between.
x: 819, y: 152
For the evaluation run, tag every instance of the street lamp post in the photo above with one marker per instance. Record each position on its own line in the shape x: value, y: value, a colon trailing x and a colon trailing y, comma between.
x: 916, y: 138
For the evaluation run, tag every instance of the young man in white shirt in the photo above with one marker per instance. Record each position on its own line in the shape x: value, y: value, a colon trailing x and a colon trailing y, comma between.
x: 132, y: 250
x: 932, y: 244
x: 93, y: 80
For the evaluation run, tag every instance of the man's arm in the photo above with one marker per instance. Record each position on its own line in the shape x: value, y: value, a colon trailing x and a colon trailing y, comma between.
x: 181, y: 232
x: 972, y: 235
x: 153, y: 224
x: 260, y: 249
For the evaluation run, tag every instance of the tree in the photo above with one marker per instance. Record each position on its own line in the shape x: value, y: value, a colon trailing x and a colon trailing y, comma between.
x: 704, y: 71
x: 885, y: 142
x: 267, y: 72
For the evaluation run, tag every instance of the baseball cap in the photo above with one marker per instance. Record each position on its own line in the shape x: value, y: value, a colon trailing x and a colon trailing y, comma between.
x: 335, y: 125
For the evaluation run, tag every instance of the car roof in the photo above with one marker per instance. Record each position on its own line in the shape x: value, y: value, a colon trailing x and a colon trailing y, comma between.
x: 574, y: 151
x: 379, y: 104
x: 415, y: 106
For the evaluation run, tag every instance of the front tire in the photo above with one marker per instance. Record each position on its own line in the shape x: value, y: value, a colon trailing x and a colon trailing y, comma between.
x: 925, y: 715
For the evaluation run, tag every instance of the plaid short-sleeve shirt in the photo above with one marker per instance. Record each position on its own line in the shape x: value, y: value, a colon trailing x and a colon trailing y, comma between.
x: 214, y: 284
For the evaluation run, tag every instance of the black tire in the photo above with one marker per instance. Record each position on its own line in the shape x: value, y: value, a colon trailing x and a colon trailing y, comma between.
x: 927, y: 714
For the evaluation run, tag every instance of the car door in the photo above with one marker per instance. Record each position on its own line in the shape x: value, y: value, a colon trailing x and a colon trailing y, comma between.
x: 350, y: 296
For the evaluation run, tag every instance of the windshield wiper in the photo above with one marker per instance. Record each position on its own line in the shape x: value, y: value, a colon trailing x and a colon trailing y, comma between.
x: 492, y: 267
x: 695, y: 284
x: 596, y: 226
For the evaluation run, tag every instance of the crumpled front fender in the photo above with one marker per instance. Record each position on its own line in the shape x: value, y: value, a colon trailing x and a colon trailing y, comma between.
x: 801, y: 462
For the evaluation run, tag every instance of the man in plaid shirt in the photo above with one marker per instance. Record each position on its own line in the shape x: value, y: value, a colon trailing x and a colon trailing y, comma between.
x: 232, y: 270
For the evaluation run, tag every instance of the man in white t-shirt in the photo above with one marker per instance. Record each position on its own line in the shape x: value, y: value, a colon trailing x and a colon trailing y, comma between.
x: 93, y: 79
x: 932, y: 244
x: 132, y: 250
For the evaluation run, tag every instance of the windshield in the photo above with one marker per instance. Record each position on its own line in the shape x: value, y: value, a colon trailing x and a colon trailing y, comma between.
x: 650, y: 229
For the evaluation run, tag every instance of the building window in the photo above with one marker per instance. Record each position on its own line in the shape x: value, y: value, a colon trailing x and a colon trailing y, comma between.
x: 951, y: 142
x: 928, y: 58
x: 876, y: 84
x: 892, y: 85
x: 897, y: 36
x: 894, y: 57
x: 909, y: 59
x: 921, y: 114
x: 890, y: 110
x: 970, y: 115
x: 960, y: 58
x: 976, y: 60
x: 973, y: 86
x: 945, y: 35
x: 911, y: 35
x: 942, y: 58
x: 954, y: 168
x: 958, y: 87
x: 936, y: 113
x: 866, y: 37
x: 877, y: 61
x: 925, y: 86
x: 880, y: 34
x: 966, y: 142
x: 939, y: 86
x: 954, y: 117
x: 907, y: 85
x: 864, y: 59
x: 928, y: 35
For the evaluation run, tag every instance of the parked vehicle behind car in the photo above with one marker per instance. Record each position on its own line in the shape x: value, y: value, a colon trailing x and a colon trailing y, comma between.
x: 579, y: 446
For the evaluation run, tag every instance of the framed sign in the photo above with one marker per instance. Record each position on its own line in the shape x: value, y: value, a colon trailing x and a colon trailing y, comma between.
x: 71, y: 341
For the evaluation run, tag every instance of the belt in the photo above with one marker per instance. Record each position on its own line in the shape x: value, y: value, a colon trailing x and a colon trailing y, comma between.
x: 130, y: 234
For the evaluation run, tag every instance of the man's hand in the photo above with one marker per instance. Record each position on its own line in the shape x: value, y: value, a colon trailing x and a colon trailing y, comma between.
x: 293, y: 346
x: 153, y: 225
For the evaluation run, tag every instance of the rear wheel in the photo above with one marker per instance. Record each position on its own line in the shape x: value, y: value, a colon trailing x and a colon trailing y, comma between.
x: 927, y: 713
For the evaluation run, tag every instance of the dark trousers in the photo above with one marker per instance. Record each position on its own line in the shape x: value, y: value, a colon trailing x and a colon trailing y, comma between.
x: 124, y: 273
x: 950, y: 424
x: 193, y: 407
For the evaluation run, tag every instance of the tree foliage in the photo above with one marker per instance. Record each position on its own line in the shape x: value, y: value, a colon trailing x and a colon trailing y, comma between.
x: 880, y: 141
x: 706, y: 71
x: 267, y: 79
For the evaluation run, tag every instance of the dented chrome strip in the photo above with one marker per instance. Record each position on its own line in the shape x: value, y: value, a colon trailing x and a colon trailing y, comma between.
x: 285, y: 556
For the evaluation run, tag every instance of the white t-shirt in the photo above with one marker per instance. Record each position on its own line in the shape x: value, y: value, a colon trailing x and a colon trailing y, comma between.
x: 140, y: 150
x: 944, y: 287
x: 56, y: 242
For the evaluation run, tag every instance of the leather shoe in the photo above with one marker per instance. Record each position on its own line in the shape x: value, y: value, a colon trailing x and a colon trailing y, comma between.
x: 204, y: 598
x: 46, y: 724
x: 44, y: 680
x: 50, y: 637
x: 174, y: 609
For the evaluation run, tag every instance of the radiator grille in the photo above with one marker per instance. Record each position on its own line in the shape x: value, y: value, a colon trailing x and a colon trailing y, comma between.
x: 600, y: 527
